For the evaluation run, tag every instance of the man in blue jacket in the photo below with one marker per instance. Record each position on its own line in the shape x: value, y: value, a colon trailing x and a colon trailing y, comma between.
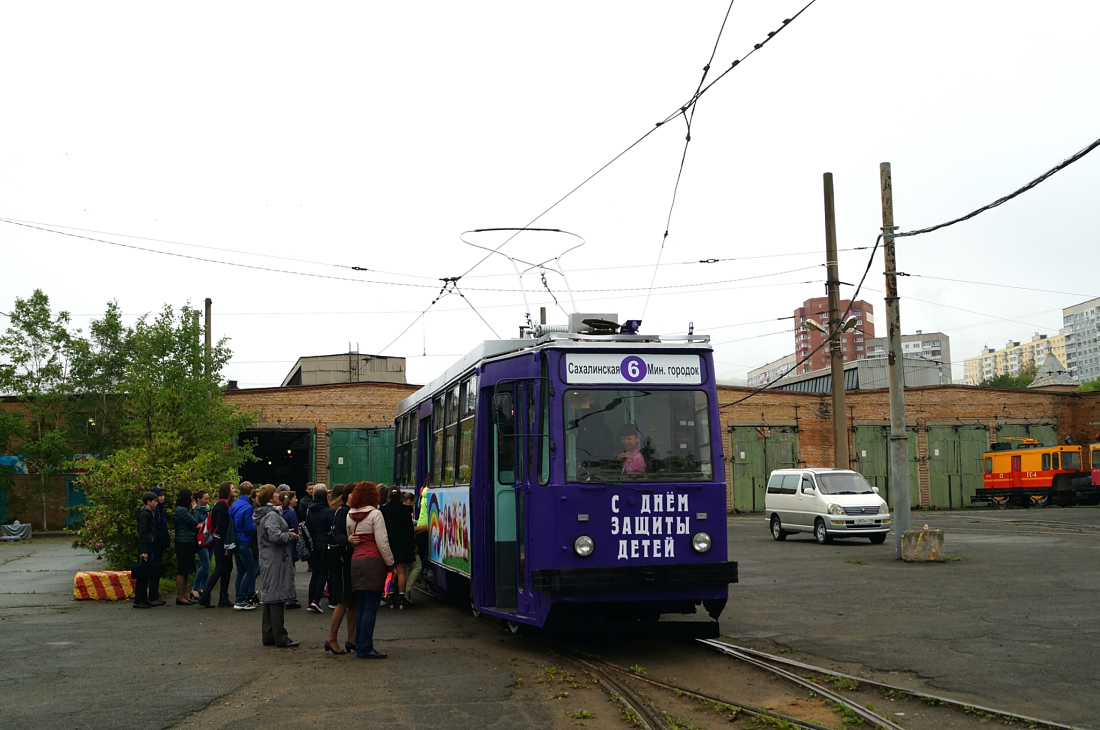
x: 241, y: 514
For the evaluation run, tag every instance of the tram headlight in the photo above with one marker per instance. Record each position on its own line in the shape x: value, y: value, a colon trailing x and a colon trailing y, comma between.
x: 701, y: 542
x: 584, y: 546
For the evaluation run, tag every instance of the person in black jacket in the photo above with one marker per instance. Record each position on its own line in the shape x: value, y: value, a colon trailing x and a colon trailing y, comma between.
x: 318, y: 521
x: 223, y: 566
x: 399, y: 530
x: 338, y: 557
x: 163, y: 541
x: 147, y: 538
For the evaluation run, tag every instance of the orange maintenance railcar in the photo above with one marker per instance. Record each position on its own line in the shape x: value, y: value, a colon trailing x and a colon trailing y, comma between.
x: 1031, y: 474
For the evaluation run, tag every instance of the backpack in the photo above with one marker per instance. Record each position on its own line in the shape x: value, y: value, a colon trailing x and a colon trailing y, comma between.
x: 305, y: 543
x: 204, y: 531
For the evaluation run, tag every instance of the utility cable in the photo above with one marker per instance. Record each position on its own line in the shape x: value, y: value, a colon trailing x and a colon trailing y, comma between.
x: 688, y: 119
x: 459, y: 292
x: 1000, y: 201
x: 680, y: 110
x: 968, y: 311
x: 835, y: 328
x: 448, y: 286
x: 51, y: 226
x: 1002, y: 286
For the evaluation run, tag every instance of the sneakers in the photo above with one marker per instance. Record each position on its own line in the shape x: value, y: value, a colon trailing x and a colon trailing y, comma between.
x: 244, y: 606
x: 253, y: 599
x: 315, y: 607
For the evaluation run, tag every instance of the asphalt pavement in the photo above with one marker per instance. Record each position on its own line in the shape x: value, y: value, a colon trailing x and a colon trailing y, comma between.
x: 1011, y: 620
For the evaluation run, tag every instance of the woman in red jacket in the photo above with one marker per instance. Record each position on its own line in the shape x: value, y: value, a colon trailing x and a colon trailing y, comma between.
x: 371, y: 560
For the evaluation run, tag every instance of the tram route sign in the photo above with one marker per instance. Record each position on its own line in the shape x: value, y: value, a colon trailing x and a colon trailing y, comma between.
x: 582, y: 368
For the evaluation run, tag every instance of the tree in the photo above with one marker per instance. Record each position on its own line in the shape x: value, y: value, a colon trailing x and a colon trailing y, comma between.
x: 1019, y: 382
x: 1090, y: 385
x: 37, y: 347
x: 178, y: 431
x: 99, y: 363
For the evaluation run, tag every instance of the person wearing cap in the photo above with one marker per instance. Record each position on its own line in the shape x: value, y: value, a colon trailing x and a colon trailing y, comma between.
x: 147, y: 536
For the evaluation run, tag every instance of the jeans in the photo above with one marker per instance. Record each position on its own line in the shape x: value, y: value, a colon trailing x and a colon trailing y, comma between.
x: 204, y: 569
x: 364, y: 620
x: 245, y: 584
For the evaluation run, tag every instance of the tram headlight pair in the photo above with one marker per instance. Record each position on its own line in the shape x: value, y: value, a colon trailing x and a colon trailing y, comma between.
x: 701, y: 542
x: 584, y: 546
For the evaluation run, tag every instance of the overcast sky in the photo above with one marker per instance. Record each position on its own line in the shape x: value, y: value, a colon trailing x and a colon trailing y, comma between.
x: 322, y: 136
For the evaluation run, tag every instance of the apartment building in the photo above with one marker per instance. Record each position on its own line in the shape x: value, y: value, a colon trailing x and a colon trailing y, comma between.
x: 932, y: 347
x: 1081, y: 325
x: 768, y: 373
x: 1015, y: 356
x: 852, y: 344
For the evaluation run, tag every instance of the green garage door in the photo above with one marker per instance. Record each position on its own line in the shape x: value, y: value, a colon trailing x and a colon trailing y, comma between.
x: 360, y: 454
x: 1044, y: 434
x: 756, y: 453
x: 955, y: 464
x: 872, y: 457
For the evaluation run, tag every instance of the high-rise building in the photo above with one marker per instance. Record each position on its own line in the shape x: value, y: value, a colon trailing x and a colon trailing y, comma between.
x: 768, y: 373
x: 1081, y: 324
x: 852, y: 344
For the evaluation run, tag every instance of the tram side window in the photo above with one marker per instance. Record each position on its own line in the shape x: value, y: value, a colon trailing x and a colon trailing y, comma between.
x: 1046, y: 462
x: 1054, y: 461
x: 467, y: 407
x: 437, y: 441
x: 1071, y: 460
x: 450, y: 437
x: 505, y: 443
x: 989, y: 465
x: 410, y: 457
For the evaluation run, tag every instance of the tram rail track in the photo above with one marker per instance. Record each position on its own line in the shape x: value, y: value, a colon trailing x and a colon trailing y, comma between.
x: 770, y: 662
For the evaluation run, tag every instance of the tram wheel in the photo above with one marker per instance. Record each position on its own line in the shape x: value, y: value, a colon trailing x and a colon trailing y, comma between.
x: 1039, y: 500
x: 1001, y: 502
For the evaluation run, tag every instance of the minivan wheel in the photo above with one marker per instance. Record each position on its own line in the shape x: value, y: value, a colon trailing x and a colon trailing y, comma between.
x: 777, y: 529
x: 878, y: 539
x: 820, y: 533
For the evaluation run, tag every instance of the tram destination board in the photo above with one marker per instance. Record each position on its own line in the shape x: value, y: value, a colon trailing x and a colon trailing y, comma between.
x: 582, y: 368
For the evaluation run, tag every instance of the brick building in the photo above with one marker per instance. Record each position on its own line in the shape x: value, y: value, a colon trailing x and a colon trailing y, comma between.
x: 852, y: 344
x: 949, y: 428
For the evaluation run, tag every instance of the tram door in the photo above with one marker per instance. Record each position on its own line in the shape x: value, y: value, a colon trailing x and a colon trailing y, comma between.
x: 517, y: 466
x: 505, y: 555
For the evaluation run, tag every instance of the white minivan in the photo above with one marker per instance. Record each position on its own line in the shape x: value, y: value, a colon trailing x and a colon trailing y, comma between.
x: 827, y: 502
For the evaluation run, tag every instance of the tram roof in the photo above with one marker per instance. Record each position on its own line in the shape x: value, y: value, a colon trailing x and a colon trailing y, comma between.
x: 495, y: 348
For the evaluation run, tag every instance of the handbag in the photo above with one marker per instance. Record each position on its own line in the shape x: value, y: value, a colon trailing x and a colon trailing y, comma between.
x: 305, y: 543
x: 140, y: 569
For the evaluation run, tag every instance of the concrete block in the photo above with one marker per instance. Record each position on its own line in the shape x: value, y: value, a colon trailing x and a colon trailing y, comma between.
x: 922, y: 546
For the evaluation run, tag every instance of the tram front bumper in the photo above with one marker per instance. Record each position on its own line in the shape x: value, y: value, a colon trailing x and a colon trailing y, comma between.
x: 635, y: 577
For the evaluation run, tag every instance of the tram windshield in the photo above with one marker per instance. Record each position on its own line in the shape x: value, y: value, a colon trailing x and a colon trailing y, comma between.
x: 637, y: 435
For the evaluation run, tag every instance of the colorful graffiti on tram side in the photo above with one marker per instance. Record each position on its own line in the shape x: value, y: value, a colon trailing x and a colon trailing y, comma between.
x: 449, y: 528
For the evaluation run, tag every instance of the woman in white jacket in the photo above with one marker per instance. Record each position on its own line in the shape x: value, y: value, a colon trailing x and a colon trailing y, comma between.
x: 371, y: 560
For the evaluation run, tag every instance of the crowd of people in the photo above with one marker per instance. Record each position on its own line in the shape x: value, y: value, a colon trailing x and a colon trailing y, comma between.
x: 360, y: 542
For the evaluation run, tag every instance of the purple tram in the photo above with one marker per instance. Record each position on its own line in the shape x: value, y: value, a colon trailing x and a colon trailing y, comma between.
x: 573, y: 473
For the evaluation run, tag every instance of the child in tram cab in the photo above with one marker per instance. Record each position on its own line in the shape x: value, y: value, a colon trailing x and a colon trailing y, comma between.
x: 631, y: 457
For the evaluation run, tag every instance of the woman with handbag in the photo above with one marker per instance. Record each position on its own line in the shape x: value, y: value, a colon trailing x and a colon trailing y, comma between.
x: 371, y: 560
x: 274, y: 540
x: 338, y: 556
x: 147, y: 538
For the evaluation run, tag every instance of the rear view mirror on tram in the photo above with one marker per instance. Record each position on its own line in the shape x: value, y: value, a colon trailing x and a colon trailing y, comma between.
x: 503, y: 413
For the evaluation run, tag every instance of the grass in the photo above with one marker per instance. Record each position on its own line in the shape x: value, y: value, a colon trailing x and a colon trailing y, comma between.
x: 636, y: 669
x: 679, y: 723
x: 857, y: 562
x: 581, y: 715
x: 849, y: 717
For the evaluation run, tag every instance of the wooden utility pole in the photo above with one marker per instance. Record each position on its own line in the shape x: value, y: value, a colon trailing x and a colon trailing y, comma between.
x: 899, y: 451
x: 206, y: 347
x: 835, y: 329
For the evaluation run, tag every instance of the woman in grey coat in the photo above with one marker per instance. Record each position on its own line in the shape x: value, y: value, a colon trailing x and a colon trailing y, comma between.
x: 276, y: 567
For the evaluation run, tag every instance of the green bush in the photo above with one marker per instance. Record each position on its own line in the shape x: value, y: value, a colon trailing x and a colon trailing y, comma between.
x: 114, y: 487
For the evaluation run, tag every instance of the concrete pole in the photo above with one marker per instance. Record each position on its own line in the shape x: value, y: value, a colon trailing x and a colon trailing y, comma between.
x: 836, y: 357
x: 206, y: 346
x: 899, y: 451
